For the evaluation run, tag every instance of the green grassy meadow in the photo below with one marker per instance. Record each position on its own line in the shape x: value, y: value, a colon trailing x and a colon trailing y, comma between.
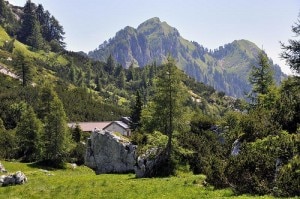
x: 83, y: 183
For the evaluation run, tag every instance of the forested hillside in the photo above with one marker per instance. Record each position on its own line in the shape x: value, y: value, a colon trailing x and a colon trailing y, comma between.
x: 226, y: 69
x: 249, y: 147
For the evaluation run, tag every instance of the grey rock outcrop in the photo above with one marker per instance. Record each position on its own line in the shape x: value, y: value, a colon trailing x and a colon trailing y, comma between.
x: 151, y: 164
x: 109, y: 153
x: 13, y: 179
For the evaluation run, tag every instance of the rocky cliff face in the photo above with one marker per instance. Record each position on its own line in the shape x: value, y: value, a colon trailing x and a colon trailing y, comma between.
x: 108, y: 153
x: 226, y: 69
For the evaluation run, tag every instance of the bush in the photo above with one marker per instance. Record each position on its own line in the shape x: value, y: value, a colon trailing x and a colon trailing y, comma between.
x: 252, y: 171
x: 288, y: 179
x: 255, y: 169
x: 78, y: 153
x: 8, y: 144
x: 216, y: 175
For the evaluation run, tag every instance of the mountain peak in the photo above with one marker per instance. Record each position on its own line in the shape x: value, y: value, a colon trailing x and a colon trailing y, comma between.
x: 154, y: 25
x: 151, y: 21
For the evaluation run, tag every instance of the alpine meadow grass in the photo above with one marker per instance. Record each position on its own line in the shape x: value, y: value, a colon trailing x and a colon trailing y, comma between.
x: 82, y: 182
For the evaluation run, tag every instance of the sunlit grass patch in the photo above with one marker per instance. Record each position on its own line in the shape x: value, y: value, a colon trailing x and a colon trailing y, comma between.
x: 82, y: 182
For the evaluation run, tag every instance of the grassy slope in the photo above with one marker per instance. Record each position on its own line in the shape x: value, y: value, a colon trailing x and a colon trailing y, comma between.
x: 33, y: 54
x: 83, y: 183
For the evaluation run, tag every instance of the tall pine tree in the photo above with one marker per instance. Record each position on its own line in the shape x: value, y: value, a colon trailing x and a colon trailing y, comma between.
x: 24, y: 69
x: 57, y: 136
x: 110, y: 65
x: 136, y: 112
x: 35, y: 39
x: 261, y: 77
x: 28, y: 135
x: 167, y: 112
x: 292, y: 51
x: 28, y: 20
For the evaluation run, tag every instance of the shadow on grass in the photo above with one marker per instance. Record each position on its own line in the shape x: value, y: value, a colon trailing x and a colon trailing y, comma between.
x: 47, y: 165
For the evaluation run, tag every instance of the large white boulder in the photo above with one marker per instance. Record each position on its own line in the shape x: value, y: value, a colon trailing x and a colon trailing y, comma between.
x: 109, y: 153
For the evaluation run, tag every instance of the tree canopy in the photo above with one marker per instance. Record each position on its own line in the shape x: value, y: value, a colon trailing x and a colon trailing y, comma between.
x: 291, y: 52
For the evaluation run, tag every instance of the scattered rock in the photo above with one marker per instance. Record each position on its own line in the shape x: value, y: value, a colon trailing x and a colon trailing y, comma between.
x: 20, y: 177
x: 13, y: 179
x: 73, y: 166
x: 236, y: 148
x: 109, y: 153
x: 2, y: 169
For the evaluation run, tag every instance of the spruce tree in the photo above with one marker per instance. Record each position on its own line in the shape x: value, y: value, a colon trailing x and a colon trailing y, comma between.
x: 28, y: 20
x: 110, y: 65
x: 24, y: 69
x: 291, y: 51
x: 57, y: 136
x: 35, y: 39
x: 28, y: 135
x: 121, y: 80
x: 261, y: 77
x: 136, y: 112
x: 76, y: 133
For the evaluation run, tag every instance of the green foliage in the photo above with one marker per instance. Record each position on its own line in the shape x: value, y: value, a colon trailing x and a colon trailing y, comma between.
x: 288, y: 179
x: 287, y: 110
x: 39, y: 29
x: 76, y: 133
x: 16, y: 110
x: 8, y: 144
x: 258, y: 124
x: 155, y: 139
x: 35, y: 40
x: 82, y: 105
x: 77, y: 154
x: 167, y: 111
x: 291, y: 51
x: 24, y: 68
x: 28, y: 135
x: 7, y: 18
x: 9, y: 45
x: 110, y: 65
x: 28, y: 23
x: 136, y: 112
x: 254, y: 170
x: 261, y: 77
x: 208, y: 149
x: 57, y: 137
x: 270, y: 99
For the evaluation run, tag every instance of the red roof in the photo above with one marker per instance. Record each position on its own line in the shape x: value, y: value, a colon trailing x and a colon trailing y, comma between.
x: 89, y: 126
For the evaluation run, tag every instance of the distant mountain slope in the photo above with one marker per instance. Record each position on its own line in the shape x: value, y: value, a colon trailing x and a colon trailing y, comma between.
x: 226, y: 69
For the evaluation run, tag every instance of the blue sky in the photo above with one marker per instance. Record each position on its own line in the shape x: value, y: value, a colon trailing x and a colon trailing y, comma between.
x: 211, y: 23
